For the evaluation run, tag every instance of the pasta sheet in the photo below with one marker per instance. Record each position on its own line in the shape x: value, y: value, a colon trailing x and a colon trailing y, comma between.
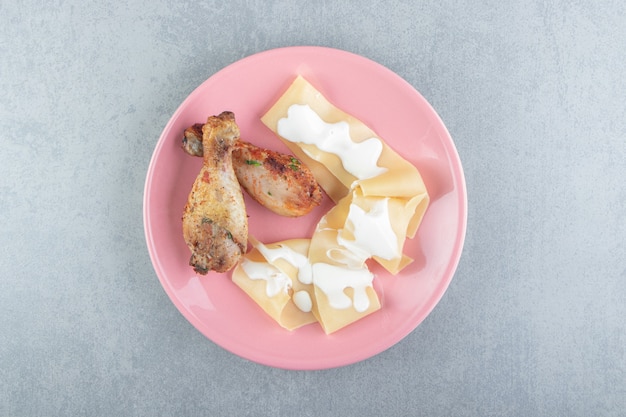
x: 280, y: 306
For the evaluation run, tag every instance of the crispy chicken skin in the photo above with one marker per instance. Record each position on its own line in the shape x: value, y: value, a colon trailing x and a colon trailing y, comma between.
x: 275, y: 180
x: 215, y: 224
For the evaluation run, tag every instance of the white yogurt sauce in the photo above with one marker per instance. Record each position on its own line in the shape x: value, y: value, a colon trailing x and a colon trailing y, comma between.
x: 302, y: 300
x: 276, y: 281
x: 296, y: 259
x: 372, y: 231
x: 333, y: 280
x: 303, y: 125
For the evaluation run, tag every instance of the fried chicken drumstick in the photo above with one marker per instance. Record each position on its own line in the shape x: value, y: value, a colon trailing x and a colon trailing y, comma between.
x: 215, y: 224
x: 275, y: 180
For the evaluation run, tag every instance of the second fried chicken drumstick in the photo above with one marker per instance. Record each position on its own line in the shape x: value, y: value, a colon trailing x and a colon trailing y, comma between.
x: 215, y: 223
x: 275, y: 180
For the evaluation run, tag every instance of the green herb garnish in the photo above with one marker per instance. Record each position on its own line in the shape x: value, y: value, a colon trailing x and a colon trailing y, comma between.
x: 294, y: 164
x: 253, y: 162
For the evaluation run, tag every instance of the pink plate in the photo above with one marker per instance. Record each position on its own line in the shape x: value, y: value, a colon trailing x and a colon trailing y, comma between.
x: 393, y: 109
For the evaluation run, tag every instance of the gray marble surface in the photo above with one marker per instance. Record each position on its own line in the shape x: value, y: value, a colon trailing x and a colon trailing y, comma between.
x: 534, y: 96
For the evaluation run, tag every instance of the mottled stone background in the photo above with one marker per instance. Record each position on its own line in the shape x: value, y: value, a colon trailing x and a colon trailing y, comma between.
x: 534, y: 95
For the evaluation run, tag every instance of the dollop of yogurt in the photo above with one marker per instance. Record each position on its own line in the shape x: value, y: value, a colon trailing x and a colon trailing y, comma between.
x: 294, y: 258
x: 303, y: 301
x: 372, y: 232
x: 275, y: 280
x: 304, y: 125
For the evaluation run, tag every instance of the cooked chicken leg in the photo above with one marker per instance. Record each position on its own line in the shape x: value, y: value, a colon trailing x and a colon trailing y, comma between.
x: 275, y: 180
x: 215, y: 224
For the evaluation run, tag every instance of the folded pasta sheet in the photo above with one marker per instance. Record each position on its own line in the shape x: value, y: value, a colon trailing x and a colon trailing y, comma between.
x: 342, y: 296
x: 270, y: 275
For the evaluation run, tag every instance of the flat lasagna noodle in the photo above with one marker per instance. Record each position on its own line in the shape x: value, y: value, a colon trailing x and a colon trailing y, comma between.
x: 280, y: 307
x: 402, y: 179
x: 332, y: 319
x: 300, y: 246
x: 325, y: 250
